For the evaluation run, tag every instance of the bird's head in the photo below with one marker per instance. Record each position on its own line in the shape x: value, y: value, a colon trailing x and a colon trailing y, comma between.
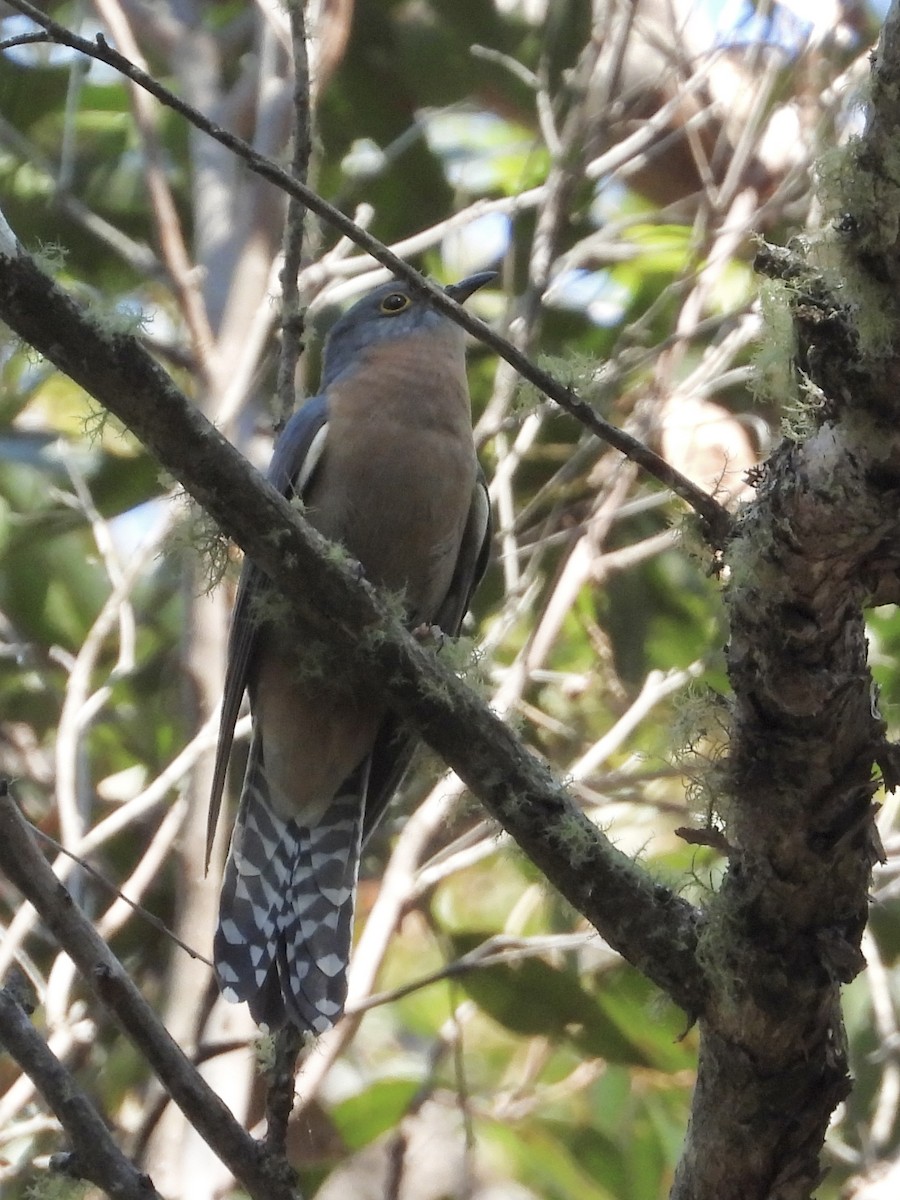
x: 391, y: 311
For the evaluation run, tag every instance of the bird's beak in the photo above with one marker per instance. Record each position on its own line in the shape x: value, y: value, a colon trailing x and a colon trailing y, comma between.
x: 460, y: 292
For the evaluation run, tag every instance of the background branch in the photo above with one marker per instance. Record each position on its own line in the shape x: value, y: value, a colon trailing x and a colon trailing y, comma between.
x: 28, y: 870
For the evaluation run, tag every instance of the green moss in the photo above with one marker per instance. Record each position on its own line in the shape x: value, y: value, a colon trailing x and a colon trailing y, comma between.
x: 199, y: 536
x: 54, y: 1186
x: 338, y: 554
x: 877, y: 316
x: 860, y: 197
x: 802, y: 411
x: 50, y: 257
x: 689, y: 532
x: 95, y: 421
x: 576, y: 836
x: 436, y: 689
x: 395, y: 602
x: 773, y: 364
x: 276, y: 535
x: 578, y: 372
x: 264, y: 1050
x: 751, y: 561
x: 715, y: 949
x: 269, y: 607
x: 701, y: 733
x: 374, y: 636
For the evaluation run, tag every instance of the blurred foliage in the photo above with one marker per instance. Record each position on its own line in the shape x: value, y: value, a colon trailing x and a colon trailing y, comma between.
x: 573, y: 1075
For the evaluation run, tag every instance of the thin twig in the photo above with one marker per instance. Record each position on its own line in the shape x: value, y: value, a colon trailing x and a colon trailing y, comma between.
x: 168, y: 222
x: 79, y: 706
x: 494, y: 951
x: 176, y: 815
x: 715, y: 519
x: 291, y: 315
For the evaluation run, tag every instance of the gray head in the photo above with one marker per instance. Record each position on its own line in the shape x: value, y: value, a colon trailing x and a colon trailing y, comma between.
x: 390, y: 311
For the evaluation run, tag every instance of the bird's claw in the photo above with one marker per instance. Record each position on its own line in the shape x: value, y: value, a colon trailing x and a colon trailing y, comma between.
x: 429, y: 633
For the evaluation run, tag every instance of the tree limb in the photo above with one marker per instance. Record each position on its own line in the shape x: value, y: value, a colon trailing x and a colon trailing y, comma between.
x: 95, y: 1155
x: 653, y: 928
x: 784, y: 931
x: 26, y: 867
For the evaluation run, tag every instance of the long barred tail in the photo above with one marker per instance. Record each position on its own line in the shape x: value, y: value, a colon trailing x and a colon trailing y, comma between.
x: 286, y: 909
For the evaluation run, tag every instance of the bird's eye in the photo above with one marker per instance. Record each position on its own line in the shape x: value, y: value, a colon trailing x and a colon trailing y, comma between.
x: 394, y: 303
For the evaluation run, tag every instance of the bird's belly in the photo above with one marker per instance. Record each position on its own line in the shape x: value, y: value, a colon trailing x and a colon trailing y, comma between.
x: 401, y: 514
x: 315, y: 733
x: 403, y: 520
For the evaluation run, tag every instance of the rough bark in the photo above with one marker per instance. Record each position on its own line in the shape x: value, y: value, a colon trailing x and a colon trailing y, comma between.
x: 819, y: 541
x: 784, y: 931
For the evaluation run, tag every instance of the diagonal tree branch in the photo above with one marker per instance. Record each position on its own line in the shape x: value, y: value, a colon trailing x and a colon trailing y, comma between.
x: 29, y: 871
x: 652, y: 927
x: 715, y: 519
x: 95, y: 1156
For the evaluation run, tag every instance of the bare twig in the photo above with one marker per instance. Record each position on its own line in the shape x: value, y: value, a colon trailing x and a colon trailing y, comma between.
x: 136, y: 809
x: 171, y: 825
x: 168, y: 223
x: 291, y: 314
x: 80, y: 707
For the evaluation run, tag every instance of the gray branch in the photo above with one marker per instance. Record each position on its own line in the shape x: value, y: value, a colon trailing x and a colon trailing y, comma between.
x: 26, y: 867
x: 652, y: 927
x: 95, y: 1156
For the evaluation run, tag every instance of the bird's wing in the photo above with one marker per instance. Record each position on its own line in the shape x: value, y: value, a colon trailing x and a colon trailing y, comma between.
x: 394, y: 747
x: 297, y: 453
x: 471, y: 562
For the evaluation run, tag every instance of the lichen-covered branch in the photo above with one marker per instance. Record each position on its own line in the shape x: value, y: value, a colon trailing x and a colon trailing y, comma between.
x: 784, y: 931
x: 653, y: 928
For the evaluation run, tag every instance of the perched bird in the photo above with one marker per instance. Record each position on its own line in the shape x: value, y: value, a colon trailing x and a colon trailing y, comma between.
x: 384, y: 461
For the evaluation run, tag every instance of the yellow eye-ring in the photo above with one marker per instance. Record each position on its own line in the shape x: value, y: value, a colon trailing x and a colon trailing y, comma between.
x: 394, y: 303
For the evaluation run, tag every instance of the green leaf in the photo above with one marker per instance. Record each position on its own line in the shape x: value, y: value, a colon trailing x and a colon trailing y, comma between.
x: 532, y: 998
x: 541, y: 1159
x: 370, y: 1113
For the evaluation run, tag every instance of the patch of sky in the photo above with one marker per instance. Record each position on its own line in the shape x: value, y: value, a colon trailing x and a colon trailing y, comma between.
x: 129, y: 529
x: 597, y: 294
x: 476, y: 245
x: 46, y: 54
x: 481, y: 152
x: 788, y: 26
